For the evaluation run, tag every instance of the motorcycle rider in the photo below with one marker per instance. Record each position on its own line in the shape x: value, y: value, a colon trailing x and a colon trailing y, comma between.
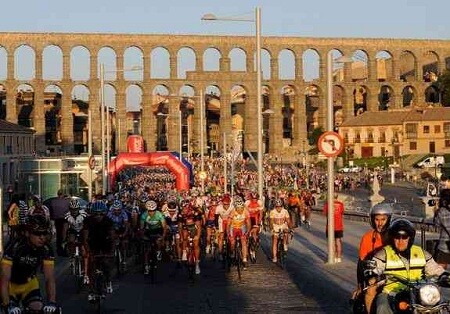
x: 402, y: 258
x: 371, y: 242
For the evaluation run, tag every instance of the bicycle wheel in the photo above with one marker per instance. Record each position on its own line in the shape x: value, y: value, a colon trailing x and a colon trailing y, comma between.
x: 78, y: 271
x: 238, y: 257
x: 252, y: 249
x: 152, y: 264
x: 118, y: 260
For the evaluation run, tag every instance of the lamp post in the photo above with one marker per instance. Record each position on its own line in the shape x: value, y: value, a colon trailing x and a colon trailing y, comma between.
x: 105, y: 116
x: 257, y: 21
x: 330, y: 160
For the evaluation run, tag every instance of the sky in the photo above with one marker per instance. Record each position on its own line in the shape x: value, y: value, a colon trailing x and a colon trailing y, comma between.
x: 422, y: 19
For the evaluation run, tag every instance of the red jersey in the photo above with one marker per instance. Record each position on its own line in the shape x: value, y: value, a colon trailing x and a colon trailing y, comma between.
x: 338, y: 215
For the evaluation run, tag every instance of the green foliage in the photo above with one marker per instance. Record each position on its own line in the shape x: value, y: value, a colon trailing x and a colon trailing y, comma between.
x: 443, y: 83
x: 314, y: 137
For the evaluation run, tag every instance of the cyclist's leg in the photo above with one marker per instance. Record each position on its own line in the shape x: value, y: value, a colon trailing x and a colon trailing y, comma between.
x: 231, y: 240
x: 274, y: 244
x: 184, y: 243
x: 244, y: 245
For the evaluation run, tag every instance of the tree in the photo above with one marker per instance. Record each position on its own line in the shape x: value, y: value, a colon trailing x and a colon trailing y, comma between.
x: 444, y: 88
x: 316, y: 133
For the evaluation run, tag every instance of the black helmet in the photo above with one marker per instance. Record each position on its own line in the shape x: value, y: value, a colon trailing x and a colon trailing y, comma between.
x: 381, y: 209
x: 402, y: 226
x: 444, y: 198
x: 38, y: 223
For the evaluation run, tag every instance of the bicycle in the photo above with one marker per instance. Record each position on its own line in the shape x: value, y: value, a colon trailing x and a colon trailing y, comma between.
x: 151, y: 245
x: 119, y: 258
x: 238, y: 256
x: 281, y: 253
x: 98, y: 282
x: 191, y: 259
x: 253, y: 247
x: 226, y: 260
x: 76, y: 263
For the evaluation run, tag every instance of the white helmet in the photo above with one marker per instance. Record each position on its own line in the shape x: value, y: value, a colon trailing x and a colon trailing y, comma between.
x: 381, y: 209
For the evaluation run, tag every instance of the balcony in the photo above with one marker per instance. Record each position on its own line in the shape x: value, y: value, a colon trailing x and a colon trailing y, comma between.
x: 411, y: 135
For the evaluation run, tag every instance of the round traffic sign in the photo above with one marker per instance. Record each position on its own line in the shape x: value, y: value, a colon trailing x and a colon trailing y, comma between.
x: 91, y: 162
x: 330, y: 144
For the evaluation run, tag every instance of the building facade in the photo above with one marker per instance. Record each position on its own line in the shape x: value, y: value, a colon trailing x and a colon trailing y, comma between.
x: 396, y: 133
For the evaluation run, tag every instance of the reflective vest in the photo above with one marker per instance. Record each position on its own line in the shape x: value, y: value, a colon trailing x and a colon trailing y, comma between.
x: 395, y: 266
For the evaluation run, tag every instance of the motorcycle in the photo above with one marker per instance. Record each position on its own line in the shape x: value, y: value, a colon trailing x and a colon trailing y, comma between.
x: 421, y: 296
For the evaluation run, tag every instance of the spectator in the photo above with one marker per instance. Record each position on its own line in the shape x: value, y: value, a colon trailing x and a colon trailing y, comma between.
x: 59, y: 206
x: 442, y: 221
x: 338, y: 226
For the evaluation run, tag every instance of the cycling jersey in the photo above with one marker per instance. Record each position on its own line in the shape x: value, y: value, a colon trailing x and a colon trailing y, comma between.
x: 172, y: 222
x: 190, y: 217
x: 99, y: 238
x: 238, y: 220
x: 280, y: 219
x: 119, y: 221
x: 154, y: 222
x: 211, y: 216
x: 76, y: 222
x: 26, y: 259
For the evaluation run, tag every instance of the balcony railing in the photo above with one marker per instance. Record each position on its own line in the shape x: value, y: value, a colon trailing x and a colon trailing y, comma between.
x: 411, y: 135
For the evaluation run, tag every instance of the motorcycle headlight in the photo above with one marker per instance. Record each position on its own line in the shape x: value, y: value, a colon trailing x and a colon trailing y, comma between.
x: 429, y: 295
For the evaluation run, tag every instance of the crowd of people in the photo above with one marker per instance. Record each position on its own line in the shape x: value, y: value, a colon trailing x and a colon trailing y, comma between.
x: 145, y: 208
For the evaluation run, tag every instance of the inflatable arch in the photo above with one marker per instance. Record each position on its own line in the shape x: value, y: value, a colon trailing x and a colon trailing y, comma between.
x: 166, y: 159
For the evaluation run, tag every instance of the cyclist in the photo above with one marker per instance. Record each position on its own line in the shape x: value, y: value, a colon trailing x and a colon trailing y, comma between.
x: 372, y: 241
x: 223, y: 211
x: 119, y: 217
x: 172, y: 220
x: 39, y: 208
x: 239, y: 224
x: 255, y: 209
x: 191, y: 220
x: 279, y: 220
x: 210, y: 223
x: 21, y: 260
x: 72, y: 227
x: 152, y: 224
x: 98, y: 233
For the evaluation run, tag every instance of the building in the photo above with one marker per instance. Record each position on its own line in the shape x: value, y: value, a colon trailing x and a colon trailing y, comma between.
x: 418, y: 130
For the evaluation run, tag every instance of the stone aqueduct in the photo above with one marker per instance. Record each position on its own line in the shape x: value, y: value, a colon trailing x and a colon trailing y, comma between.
x: 403, y: 77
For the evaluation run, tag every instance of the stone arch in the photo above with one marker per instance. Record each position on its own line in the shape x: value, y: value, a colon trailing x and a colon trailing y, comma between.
x: 213, y: 109
x: 3, y: 64
x: 211, y: 59
x: 52, y: 112
x: 108, y: 57
x: 160, y: 63
x: 2, y: 102
x: 24, y: 63
x: 267, y: 95
x: 338, y: 67
x: 133, y: 64
x: 360, y: 95
x: 238, y: 59
x: 338, y: 105
x: 407, y: 66
x: 360, y: 65
x: 161, y: 111
x: 430, y: 66
x: 409, y: 95
x: 25, y: 105
x: 133, y: 107
x: 432, y: 94
x: 286, y: 65
x: 384, y: 65
x: 80, y: 55
x: 266, y: 64
x: 80, y: 113
x: 288, y: 111
x: 52, y: 63
x: 311, y: 64
x: 313, y: 100
x: 186, y: 59
x: 385, y: 97
x: 238, y: 116
x: 447, y: 63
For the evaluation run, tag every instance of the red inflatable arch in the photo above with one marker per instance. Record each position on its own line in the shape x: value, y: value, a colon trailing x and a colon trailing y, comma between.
x: 150, y: 159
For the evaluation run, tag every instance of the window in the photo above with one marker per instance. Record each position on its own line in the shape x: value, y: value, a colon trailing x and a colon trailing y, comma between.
x: 447, y: 130
x: 437, y: 129
x: 370, y: 137
x: 382, y: 138
x: 447, y: 143
x: 358, y: 138
x: 411, y: 130
x: 426, y: 129
x: 412, y: 145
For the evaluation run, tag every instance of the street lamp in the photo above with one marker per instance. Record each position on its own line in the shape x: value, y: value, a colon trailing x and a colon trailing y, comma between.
x: 330, y: 160
x: 257, y: 21
x: 106, y: 132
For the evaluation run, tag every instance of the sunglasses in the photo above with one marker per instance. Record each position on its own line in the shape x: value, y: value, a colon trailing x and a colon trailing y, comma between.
x: 40, y: 233
x: 401, y: 236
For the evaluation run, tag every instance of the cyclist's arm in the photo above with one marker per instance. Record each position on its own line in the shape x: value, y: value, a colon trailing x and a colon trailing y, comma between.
x: 270, y: 221
x: 50, y: 283
x: 64, y: 231
x: 199, y: 228
x: 5, y: 278
x: 164, y: 226
x: 248, y: 221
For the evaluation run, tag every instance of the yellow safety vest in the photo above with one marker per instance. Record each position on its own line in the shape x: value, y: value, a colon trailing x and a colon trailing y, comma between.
x: 395, y: 266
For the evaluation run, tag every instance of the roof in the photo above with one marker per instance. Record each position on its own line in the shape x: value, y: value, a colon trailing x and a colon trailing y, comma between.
x: 8, y: 127
x: 398, y: 117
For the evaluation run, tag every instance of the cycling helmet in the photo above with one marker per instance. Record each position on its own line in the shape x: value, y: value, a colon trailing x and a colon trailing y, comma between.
x: 37, y: 198
x: 402, y: 226
x: 444, y: 198
x: 150, y: 205
x: 116, y: 205
x: 74, y: 204
x: 23, y: 205
x: 238, y: 202
x: 37, y: 223
x: 172, y: 205
x: 185, y: 203
x: 254, y: 195
x: 278, y: 202
x: 381, y: 209
x: 99, y: 207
